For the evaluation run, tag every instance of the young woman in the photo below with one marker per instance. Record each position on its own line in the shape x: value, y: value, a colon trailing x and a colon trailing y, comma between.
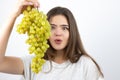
x: 66, y: 58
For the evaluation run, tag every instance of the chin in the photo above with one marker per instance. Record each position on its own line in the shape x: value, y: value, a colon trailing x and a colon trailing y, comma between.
x: 59, y: 49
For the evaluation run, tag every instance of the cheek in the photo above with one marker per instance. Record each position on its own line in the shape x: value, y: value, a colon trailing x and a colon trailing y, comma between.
x: 67, y: 36
x: 51, y: 36
x: 50, y: 39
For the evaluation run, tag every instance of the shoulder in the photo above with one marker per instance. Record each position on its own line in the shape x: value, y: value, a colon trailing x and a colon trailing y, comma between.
x: 89, y: 67
x: 28, y: 74
x: 85, y: 60
x: 27, y: 59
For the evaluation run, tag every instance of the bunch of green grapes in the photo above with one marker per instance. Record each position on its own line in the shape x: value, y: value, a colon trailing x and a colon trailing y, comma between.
x: 35, y: 24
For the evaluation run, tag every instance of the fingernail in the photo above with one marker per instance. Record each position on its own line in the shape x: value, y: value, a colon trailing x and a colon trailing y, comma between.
x: 36, y: 4
x: 30, y: 3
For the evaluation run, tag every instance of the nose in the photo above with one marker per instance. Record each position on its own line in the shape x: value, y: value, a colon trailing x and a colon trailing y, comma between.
x: 58, y: 32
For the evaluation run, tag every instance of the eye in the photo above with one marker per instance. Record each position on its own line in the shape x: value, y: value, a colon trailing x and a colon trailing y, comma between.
x: 52, y: 27
x: 65, y: 28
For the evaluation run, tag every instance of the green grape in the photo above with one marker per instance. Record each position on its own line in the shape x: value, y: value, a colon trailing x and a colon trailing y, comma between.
x: 35, y: 24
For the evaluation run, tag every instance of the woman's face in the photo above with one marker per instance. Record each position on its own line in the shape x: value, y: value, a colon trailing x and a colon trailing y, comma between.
x: 59, y: 32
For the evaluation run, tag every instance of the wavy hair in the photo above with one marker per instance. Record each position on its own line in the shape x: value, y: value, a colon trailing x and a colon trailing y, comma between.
x: 74, y: 49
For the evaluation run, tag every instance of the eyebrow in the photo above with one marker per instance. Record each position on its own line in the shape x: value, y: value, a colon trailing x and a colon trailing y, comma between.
x: 61, y: 25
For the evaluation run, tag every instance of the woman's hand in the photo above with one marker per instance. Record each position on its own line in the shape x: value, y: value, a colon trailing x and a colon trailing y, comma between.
x: 22, y: 4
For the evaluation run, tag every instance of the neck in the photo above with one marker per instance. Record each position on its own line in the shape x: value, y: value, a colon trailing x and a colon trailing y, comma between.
x: 59, y: 57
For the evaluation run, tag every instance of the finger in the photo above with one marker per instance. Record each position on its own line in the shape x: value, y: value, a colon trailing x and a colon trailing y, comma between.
x: 35, y: 3
x: 28, y: 3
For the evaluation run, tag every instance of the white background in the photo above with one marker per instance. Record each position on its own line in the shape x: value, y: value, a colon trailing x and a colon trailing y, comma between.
x: 99, y: 26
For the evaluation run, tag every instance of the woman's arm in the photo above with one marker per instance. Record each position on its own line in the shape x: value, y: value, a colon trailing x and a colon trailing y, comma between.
x: 12, y: 64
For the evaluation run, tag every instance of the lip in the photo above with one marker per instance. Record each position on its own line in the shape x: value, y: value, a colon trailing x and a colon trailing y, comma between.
x: 58, y: 41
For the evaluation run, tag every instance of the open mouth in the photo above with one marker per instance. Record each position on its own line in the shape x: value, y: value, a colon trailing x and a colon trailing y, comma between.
x: 58, y: 41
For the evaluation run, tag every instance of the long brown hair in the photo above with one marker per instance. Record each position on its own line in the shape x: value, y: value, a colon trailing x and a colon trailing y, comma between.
x: 74, y: 50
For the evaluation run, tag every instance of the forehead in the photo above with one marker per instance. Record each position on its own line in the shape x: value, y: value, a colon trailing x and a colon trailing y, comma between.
x: 58, y: 19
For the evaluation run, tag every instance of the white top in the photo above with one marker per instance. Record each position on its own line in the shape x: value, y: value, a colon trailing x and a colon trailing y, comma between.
x: 84, y: 69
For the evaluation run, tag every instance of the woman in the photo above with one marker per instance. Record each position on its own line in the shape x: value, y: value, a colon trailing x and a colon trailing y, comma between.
x: 66, y: 58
